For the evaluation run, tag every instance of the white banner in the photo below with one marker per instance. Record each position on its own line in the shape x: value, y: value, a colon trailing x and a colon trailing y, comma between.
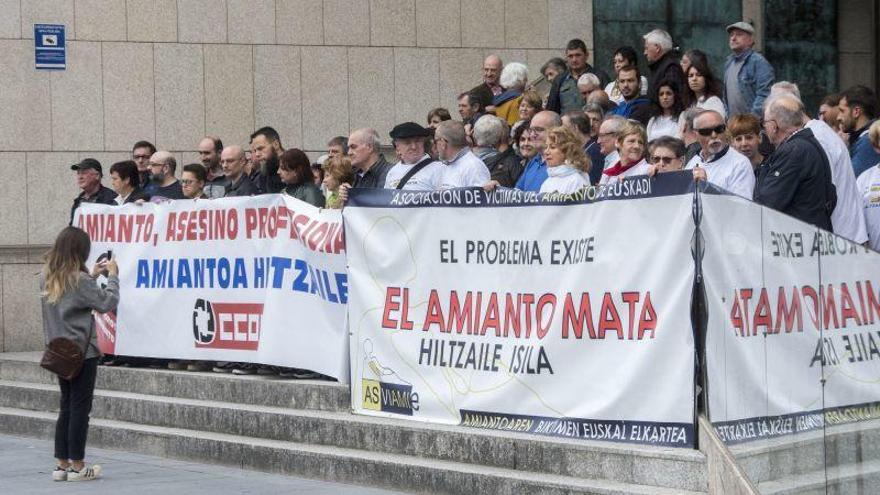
x: 788, y: 305
x: 510, y: 311
x: 259, y: 280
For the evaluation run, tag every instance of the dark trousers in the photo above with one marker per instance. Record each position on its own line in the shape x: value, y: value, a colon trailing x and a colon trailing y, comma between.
x: 72, y: 427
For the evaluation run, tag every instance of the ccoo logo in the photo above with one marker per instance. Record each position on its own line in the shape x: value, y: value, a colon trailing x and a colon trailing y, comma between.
x: 227, y: 325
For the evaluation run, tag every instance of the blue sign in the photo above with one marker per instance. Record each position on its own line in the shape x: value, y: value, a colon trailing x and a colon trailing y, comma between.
x: 50, y: 49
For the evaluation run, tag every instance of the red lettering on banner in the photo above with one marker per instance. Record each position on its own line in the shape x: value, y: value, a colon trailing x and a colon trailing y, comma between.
x: 648, y: 318
x: 788, y: 315
x: 543, y: 301
x: 390, y: 305
x: 847, y: 308
x: 577, y: 322
x: 609, y: 319
x: 762, y: 317
x: 434, y: 314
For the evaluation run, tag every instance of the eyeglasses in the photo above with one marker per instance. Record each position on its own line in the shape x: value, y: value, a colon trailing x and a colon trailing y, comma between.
x: 141, y: 157
x: 666, y: 160
x: 709, y: 130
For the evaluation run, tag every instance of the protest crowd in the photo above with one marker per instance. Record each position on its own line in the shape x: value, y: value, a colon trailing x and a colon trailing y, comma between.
x: 742, y: 131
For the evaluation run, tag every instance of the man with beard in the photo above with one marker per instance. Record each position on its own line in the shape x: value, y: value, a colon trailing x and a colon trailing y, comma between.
x: 267, y: 148
x: 215, y: 180
x: 634, y: 105
x: 163, y: 184
x: 717, y: 162
x: 858, y: 110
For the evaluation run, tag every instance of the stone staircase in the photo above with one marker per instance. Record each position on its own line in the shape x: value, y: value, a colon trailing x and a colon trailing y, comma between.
x: 305, y: 428
x: 845, y: 458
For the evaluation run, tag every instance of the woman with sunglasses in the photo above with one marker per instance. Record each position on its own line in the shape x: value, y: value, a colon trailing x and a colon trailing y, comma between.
x: 666, y: 154
x: 704, y: 90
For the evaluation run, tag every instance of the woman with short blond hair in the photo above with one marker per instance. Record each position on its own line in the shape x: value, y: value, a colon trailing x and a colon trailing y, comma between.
x: 567, y: 164
x: 631, y: 142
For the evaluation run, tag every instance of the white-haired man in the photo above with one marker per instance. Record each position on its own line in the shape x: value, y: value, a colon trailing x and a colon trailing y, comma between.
x: 847, y: 218
x: 588, y: 83
x: 717, y: 162
x: 796, y: 178
x: 461, y: 168
x: 662, y: 62
x: 491, y: 146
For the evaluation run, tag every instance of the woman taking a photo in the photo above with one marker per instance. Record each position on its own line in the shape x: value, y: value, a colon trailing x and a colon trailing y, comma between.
x: 68, y: 296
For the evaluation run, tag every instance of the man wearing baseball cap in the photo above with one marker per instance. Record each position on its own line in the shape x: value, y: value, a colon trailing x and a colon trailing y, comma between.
x: 88, y: 178
x: 416, y: 170
x: 747, y: 74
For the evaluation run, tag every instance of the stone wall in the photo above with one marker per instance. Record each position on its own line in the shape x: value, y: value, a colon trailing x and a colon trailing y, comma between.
x: 172, y: 71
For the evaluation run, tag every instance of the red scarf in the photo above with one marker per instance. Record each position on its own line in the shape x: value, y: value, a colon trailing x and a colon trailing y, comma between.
x: 618, y: 168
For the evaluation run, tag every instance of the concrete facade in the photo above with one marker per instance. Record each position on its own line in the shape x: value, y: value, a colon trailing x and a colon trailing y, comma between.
x: 171, y: 71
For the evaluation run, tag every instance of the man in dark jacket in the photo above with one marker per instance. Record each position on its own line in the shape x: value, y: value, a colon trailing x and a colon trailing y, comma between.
x: 491, y: 146
x: 662, y: 62
x: 634, y: 105
x: 796, y: 178
x: 564, y: 95
x: 88, y: 178
x: 233, y: 161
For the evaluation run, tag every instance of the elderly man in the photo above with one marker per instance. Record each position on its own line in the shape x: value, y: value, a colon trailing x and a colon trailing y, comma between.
x: 847, y: 217
x: 662, y: 62
x: 416, y: 170
x: 607, y: 139
x: 210, y: 148
x: 461, y: 167
x: 490, y: 137
x: 369, y: 163
x: 233, y: 161
x: 564, y: 95
x: 163, y: 183
x: 858, y: 110
x: 490, y: 87
x: 586, y: 84
x: 717, y: 162
x: 535, y: 172
x: 747, y: 74
x: 796, y: 178
x: 88, y: 178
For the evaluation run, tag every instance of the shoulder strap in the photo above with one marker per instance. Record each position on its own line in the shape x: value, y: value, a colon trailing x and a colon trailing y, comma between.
x: 413, y: 171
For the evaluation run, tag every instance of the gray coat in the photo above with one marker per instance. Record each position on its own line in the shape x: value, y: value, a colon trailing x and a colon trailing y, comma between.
x: 71, y: 316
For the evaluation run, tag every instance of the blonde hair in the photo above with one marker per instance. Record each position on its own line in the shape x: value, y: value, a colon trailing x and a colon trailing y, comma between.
x: 339, y: 168
x: 629, y: 128
x: 64, y: 262
x: 570, y: 145
x: 874, y: 134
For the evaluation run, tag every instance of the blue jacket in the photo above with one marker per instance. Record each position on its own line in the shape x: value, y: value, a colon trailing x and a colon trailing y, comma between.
x: 755, y: 78
x: 862, y: 154
x: 534, y: 175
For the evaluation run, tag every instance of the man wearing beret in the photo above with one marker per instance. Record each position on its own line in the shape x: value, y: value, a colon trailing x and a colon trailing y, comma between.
x: 416, y: 170
x: 88, y: 178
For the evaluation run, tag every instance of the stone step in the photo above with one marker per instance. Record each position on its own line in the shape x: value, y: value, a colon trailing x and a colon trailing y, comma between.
x: 358, y: 467
x: 650, y: 466
x: 249, y: 389
x: 808, y: 452
x: 862, y: 477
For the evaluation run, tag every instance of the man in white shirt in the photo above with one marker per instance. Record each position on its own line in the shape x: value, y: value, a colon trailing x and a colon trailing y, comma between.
x: 717, y: 162
x: 461, y: 168
x: 416, y: 170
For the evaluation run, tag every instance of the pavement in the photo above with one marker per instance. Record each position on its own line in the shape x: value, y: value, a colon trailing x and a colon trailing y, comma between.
x: 26, y: 468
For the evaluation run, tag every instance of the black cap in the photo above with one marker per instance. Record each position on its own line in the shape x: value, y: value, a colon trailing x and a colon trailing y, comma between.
x: 409, y: 130
x: 88, y: 163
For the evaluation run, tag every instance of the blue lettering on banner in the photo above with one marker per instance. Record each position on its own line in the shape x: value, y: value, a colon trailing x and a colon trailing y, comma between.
x: 50, y: 47
x: 271, y: 272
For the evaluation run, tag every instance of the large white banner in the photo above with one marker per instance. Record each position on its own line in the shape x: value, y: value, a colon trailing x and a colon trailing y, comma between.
x: 516, y: 312
x: 259, y: 280
x: 788, y: 306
